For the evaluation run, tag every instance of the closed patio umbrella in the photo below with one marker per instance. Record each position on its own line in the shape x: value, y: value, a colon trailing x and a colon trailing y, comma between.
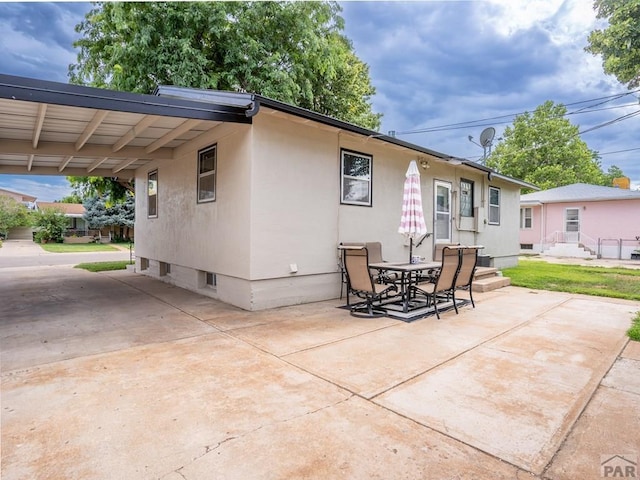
x: 412, y: 221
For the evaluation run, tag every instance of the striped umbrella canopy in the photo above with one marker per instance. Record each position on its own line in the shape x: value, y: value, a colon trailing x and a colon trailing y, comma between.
x: 412, y: 221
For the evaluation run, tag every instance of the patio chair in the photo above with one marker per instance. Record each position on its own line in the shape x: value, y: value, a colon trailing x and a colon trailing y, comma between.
x: 343, y: 271
x: 464, y: 279
x: 361, y: 284
x: 375, y: 256
x: 444, y: 281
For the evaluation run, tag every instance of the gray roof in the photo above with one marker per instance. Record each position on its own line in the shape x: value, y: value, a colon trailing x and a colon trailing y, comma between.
x: 579, y: 192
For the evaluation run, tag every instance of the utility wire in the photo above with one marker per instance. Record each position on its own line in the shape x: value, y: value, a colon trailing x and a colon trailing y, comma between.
x: 596, y: 127
x: 476, y: 123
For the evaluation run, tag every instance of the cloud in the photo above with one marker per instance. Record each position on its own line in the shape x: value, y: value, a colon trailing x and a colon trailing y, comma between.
x: 440, y: 63
x: 45, y: 189
x: 37, y: 38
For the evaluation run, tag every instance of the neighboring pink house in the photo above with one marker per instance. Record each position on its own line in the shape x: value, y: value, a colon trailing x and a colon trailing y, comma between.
x: 581, y: 220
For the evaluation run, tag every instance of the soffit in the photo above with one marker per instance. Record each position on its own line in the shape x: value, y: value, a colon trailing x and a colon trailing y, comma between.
x: 48, y: 128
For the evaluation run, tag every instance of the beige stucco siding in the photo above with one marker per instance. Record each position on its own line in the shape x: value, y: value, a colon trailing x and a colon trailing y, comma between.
x: 271, y: 236
x: 210, y: 236
x: 294, y: 202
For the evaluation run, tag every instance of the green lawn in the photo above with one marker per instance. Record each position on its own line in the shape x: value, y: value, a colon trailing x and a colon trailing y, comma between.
x: 104, y: 266
x: 634, y: 331
x: 77, y: 247
x: 599, y: 281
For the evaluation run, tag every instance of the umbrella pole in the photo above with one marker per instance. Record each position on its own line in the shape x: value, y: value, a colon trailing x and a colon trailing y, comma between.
x: 410, y: 248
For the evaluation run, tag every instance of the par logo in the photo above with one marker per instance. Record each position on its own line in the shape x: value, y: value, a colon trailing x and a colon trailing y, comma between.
x: 619, y: 466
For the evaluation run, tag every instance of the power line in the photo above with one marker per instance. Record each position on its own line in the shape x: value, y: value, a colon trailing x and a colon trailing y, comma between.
x: 535, y: 147
x: 620, y: 151
x: 476, y: 123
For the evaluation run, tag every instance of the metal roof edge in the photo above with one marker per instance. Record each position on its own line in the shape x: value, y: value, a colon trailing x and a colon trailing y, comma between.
x: 493, y: 174
x: 65, y: 94
x: 343, y: 125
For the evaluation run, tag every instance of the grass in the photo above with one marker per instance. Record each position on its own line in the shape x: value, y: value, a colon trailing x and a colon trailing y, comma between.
x: 104, y: 266
x: 77, y: 247
x: 599, y: 281
x: 634, y: 331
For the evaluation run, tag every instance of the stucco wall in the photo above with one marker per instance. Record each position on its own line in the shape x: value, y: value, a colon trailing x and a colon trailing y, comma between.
x: 278, y: 205
x: 212, y: 236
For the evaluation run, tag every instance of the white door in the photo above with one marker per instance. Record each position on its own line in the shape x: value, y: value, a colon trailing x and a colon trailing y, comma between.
x: 442, y: 220
x: 572, y: 225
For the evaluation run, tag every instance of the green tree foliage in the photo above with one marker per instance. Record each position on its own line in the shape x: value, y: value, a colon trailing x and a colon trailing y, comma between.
x: 99, y: 213
x: 73, y: 198
x: 619, y: 43
x: 50, y: 224
x: 545, y: 149
x: 289, y: 51
x: 116, y: 189
x: 12, y: 214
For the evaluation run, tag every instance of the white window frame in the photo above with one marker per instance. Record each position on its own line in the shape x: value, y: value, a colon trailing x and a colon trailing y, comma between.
x: 524, y: 217
x: 445, y: 215
x: 470, y: 203
x: 352, y: 186
x: 152, y: 192
x: 208, y: 173
x: 494, y: 207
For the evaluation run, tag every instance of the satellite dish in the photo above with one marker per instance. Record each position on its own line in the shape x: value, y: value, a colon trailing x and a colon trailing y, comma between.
x: 486, y: 137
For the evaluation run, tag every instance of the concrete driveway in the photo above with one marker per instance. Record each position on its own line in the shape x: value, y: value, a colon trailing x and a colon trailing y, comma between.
x: 25, y: 253
x: 116, y: 375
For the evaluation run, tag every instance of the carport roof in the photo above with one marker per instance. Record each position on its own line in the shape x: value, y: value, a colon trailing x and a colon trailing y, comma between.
x: 52, y: 128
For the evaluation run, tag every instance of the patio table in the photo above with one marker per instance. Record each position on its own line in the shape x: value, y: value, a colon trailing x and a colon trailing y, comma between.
x: 408, y: 275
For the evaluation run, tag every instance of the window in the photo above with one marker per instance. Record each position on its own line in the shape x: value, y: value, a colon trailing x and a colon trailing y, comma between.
x: 466, y: 198
x: 525, y: 217
x: 152, y: 194
x: 494, y: 206
x: 443, y: 212
x: 355, y: 188
x: 207, y: 174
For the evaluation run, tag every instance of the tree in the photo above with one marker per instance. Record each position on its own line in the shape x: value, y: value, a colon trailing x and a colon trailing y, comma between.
x: 545, y: 149
x: 289, y: 51
x: 99, y: 214
x: 51, y: 225
x: 116, y: 189
x: 619, y: 43
x: 73, y: 198
x: 12, y: 214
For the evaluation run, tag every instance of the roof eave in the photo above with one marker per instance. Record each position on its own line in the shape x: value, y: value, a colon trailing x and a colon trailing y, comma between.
x: 44, y: 91
x: 493, y: 174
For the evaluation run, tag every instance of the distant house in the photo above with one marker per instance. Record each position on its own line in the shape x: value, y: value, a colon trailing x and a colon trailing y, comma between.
x: 73, y: 211
x: 26, y: 200
x: 581, y: 220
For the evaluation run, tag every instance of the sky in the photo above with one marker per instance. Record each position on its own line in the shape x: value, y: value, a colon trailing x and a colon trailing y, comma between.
x: 452, y: 67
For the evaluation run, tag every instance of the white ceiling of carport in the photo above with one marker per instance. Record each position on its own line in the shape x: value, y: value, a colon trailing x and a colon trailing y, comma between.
x: 46, y: 139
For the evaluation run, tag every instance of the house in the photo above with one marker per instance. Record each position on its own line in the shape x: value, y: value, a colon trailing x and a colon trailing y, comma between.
x: 244, y: 198
x: 27, y: 200
x: 19, y: 233
x: 581, y: 220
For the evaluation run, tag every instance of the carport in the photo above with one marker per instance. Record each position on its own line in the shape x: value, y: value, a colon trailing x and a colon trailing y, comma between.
x: 49, y: 128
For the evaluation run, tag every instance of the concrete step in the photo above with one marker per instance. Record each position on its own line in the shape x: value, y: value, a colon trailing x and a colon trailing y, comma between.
x: 485, y: 272
x: 487, y: 284
x: 573, y: 250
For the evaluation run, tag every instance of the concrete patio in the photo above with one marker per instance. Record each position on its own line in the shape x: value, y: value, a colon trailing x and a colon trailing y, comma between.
x: 116, y: 375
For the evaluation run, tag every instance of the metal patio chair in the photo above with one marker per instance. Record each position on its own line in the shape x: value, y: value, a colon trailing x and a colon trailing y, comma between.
x: 445, y: 279
x: 361, y: 284
x: 464, y: 279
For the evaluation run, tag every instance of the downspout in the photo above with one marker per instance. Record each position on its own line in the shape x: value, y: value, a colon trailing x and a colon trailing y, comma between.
x: 255, y: 107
